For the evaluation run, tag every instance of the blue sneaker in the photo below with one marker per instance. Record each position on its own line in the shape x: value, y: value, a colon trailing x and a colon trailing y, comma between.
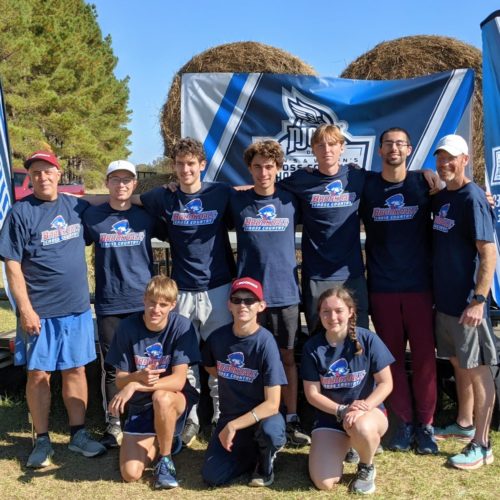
x: 455, y: 431
x: 165, y: 474
x: 424, y: 440
x: 472, y: 457
x: 402, y: 438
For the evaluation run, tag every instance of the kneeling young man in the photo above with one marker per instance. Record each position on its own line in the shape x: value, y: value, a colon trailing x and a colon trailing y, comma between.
x: 245, y: 358
x: 151, y: 352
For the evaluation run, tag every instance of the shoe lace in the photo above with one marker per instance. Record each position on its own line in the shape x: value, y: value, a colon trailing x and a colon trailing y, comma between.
x: 165, y: 466
x: 364, y: 472
x: 470, y: 448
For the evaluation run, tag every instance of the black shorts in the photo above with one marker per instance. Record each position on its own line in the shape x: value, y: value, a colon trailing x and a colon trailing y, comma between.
x: 283, y: 323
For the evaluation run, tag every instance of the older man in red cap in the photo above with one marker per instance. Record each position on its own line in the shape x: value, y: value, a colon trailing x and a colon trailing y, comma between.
x: 42, y: 246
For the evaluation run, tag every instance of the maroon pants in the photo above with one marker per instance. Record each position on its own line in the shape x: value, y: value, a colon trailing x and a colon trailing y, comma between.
x: 402, y: 317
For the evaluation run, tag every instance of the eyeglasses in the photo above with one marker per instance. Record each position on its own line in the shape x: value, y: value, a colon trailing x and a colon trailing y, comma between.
x: 248, y: 301
x: 398, y: 144
x: 119, y: 180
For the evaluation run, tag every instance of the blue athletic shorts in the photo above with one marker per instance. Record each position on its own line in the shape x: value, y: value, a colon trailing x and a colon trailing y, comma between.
x: 64, y: 342
x: 143, y: 423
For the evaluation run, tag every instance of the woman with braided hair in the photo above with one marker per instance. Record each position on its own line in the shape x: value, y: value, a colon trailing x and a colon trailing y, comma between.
x: 346, y: 376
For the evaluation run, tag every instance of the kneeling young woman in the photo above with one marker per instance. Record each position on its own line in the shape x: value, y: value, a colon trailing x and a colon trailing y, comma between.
x: 346, y: 378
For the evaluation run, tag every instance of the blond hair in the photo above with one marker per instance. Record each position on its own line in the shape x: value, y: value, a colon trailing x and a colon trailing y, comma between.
x: 327, y: 131
x: 161, y: 287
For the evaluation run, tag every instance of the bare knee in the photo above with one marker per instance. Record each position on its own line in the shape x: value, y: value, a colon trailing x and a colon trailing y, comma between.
x: 325, y: 484
x: 131, y: 472
x: 38, y: 377
x: 163, y: 400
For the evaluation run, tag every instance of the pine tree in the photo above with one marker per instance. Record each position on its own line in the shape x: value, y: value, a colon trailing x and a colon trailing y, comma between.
x: 59, y: 84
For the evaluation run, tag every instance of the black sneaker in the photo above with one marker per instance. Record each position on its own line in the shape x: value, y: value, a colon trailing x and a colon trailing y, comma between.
x: 352, y: 456
x: 295, y: 436
x: 364, y: 481
x: 425, y: 444
x: 402, y: 439
x: 259, y: 480
x: 112, y: 437
x: 190, y: 432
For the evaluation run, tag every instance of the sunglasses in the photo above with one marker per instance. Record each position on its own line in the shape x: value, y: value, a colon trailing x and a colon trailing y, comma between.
x: 248, y: 301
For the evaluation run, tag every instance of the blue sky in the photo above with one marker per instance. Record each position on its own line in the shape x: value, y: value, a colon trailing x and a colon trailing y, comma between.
x: 154, y: 38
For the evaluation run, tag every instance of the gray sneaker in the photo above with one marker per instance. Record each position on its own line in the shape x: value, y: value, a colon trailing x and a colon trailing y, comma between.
x: 364, y: 482
x: 41, y: 456
x: 82, y: 443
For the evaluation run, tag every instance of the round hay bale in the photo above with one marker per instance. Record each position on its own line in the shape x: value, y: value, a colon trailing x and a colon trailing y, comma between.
x: 415, y: 56
x: 154, y: 181
x: 238, y: 57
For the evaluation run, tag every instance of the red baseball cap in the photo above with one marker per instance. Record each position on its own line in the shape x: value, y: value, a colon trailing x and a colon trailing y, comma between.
x: 248, y: 284
x: 46, y: 156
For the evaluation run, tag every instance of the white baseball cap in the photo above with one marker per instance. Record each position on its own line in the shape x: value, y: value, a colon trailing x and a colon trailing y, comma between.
x: 453, y: 144
x: 121, y: 165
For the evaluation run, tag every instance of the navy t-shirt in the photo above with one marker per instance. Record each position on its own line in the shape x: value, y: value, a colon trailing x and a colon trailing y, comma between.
x: 134, y: 347
x: 343, y: 375
x: 123, y: 256
x: 201, y: 254
x: 245, y: 365
x: 397, y: 218
x: 46, y: 237
x: 265, y: 229
x: 461, y: 218
x: 331, y: 248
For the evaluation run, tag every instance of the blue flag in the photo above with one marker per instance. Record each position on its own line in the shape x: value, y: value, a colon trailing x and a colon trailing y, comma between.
x: 229, y: 111
x: 491, y: 105
x: 6, y: 195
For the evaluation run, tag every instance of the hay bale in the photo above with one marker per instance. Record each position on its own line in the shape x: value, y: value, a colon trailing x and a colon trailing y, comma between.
x: 238, y: 57
x: 415, y: 56
x: 154, y: 181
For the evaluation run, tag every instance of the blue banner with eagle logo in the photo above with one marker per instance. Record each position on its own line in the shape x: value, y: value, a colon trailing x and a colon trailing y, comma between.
x: 229, y: 111
x: 491, y: 105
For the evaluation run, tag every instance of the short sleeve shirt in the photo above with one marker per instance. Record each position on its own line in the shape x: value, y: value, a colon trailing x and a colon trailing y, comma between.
x: 461, y: 218
x: 397, y: 219
x: 245, y: 365
x: 47, y: 239
x: 134, y: 348
x: 265, y: 229
x: 201, y: 254
x: 123, y: 256
x: 331, y: 247
x: 343, y: 375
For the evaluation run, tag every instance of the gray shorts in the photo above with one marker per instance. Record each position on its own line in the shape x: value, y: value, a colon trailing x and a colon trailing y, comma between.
x: 472, y: 346
x: 207, y: 310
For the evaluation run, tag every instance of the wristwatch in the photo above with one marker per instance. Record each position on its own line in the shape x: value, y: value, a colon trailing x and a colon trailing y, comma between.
x: 341, y: 411
x: 480, y: 299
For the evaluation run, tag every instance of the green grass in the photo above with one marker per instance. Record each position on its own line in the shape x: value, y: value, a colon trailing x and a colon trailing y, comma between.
x: 399, y: 475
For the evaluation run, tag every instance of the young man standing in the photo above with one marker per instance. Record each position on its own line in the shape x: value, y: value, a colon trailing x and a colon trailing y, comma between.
x: 246, y: 360
x: 202, y: 260
x: 396, y: 210
x: 329, y: 201
x: 265, y: 218
x: 463, y: 266
x: 123, y: 265
x: 44, y: 252
x: 151, y: 352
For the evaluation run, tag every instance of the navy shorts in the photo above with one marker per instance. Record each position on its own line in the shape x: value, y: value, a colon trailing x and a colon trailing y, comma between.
x: 325, y: 421
x: 143, y: 423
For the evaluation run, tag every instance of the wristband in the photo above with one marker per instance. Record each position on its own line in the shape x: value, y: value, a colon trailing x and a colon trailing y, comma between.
x: 257, y: 419
x: 341, y: 411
